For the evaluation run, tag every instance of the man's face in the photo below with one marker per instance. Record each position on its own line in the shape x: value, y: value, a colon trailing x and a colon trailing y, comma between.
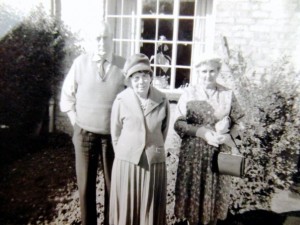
x: 104, y: 41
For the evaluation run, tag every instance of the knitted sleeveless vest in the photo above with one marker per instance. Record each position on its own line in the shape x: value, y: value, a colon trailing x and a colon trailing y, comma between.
x: 94, y: 97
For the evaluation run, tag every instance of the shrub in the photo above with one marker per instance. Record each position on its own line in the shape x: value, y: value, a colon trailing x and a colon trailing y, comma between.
x: 33, y: 58
x: 271, y: 139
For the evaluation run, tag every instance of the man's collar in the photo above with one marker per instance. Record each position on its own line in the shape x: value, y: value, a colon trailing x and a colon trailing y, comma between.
x: 107, y: 57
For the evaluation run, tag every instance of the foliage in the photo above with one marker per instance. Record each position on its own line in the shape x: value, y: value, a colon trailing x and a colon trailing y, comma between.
x: 270, y: 140
x: 33, y: 59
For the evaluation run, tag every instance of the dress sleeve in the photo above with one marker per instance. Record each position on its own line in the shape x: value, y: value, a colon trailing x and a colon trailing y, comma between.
x: 181, y: 126
x: 116, y: 124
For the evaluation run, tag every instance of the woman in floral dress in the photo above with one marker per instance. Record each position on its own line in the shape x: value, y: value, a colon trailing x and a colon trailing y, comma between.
x: 202, y: 196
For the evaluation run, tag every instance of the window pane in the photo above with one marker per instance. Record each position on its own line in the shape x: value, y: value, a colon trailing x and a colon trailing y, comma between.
x: 113, y: 28
x: 182, y: 77
x: 161, y: 81
x: 162, y: 59
x: 147, y: 49
x: 163, y: 71
x: 185, y: 30
x: 114, y: 8
x: 148, y: 29
x: 123, y: 48
x: 123, y: 28
x: 149, y: 7
x: 184, y: 52
x: 187, y: 8
x: 166, y: 28
x: 166, y: 7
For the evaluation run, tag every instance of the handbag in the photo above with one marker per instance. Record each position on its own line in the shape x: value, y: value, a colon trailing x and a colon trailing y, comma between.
x: 228, y: 164
x: 231, y: 164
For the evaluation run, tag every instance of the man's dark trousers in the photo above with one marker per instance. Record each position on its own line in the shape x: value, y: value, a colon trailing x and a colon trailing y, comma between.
x: 88, y: 148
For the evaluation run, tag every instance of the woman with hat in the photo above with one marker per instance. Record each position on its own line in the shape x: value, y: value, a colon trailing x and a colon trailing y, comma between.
x: 139, y: 124
x: 202, y: 195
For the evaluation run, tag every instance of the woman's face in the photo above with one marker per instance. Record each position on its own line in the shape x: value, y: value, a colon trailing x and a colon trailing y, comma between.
x: 207, y: 74
x: 140, y: 82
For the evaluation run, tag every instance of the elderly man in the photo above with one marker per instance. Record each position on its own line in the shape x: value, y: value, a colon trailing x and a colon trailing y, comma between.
x: 87, y: 95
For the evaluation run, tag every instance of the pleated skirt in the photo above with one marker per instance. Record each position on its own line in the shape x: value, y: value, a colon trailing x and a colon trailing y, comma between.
x: 138, y: 194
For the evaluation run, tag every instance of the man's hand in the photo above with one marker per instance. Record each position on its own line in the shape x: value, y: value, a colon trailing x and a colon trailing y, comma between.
x: 72, y: 116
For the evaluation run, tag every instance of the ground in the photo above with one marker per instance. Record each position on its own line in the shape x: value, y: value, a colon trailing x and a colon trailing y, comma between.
x: 39, y: 187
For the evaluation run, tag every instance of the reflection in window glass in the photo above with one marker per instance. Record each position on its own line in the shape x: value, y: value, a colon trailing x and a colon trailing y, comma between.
x: 182, y: 77
x: 149, y: 7
x: 166, y: 7
x: 164, y: 53
x: 162, y: 59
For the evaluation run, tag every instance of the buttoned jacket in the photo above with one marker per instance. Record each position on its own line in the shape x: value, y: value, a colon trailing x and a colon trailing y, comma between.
x: 136, y: 132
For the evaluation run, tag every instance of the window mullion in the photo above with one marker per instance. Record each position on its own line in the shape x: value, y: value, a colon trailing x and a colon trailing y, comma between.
x: 174, y: 45
x: 121, y: 33
x: 193, y: 44
x: 137, y: 39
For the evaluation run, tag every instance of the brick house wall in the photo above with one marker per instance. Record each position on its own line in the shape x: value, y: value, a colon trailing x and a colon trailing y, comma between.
x: 262, y: 29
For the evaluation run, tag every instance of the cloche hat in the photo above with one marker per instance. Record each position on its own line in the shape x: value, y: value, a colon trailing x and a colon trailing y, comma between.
x: 135, y: 63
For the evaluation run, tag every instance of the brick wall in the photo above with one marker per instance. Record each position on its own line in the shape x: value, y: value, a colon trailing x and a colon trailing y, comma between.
x: 262, y: 29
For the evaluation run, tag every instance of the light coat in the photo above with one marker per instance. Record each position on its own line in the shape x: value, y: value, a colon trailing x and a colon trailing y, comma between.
x: 134, y: 131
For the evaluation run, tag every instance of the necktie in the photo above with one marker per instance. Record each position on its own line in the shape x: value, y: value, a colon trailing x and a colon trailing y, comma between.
x: 102, y: 69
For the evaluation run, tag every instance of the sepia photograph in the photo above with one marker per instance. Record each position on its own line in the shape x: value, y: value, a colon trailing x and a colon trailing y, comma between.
x: 150, y: 112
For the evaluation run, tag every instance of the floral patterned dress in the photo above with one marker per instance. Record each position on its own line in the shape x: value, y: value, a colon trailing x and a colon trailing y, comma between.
x: 201, y: 195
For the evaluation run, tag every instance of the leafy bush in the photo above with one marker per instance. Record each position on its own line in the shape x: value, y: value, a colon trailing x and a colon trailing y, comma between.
x: 270, y: 140
x: 33, y: 58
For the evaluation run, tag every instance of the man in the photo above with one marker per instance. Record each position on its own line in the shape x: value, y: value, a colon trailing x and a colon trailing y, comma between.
x: 87, y: 95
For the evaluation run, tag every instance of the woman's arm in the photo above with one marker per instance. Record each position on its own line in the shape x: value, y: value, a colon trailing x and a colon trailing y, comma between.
x: 182, y: 128
x: 165, y: 123
x: 115, y: 122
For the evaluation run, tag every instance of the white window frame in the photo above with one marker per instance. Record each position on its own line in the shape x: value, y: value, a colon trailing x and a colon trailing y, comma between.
x: 201, y: 41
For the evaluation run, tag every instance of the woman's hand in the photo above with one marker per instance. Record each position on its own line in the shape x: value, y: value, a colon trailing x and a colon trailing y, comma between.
x: 214, y: 139
x: 210, y: 136
x: 226, y: 139
x: 222, y: 127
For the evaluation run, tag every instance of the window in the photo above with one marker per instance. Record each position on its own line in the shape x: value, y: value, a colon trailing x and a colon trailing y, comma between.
x: 172, y: 33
